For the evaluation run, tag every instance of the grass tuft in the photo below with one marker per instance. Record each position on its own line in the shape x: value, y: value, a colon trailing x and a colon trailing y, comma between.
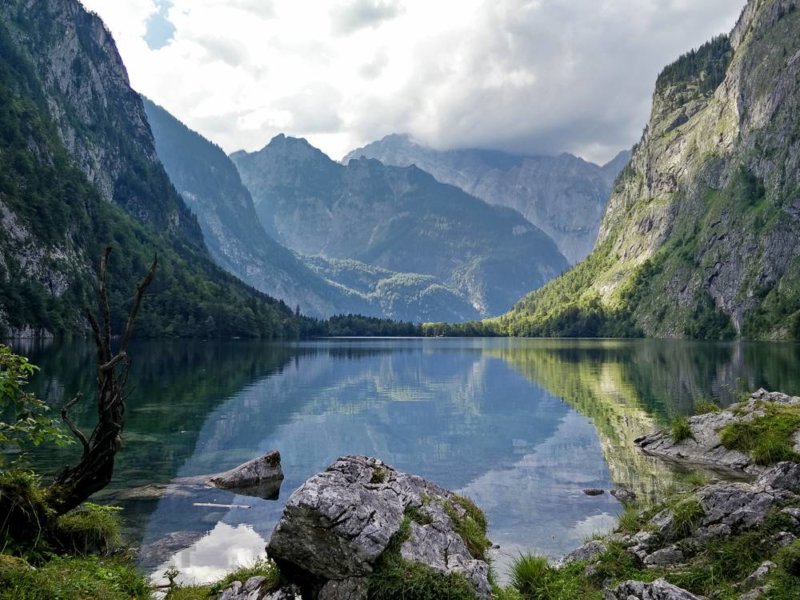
x: 534, y: 579
x: 680, y: 429
x: 768, y: 439
x: 470, y: 523
x: 90, y: 528
x: 704, y: 407
x: 687, y: 514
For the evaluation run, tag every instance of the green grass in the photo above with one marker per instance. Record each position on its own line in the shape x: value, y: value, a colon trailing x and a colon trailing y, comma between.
x: 83, y: 578
x: 379, y: 475
x: 687, y: 514
x: 767, y: 439
x: 90, y: 528
x: 470, y: 523
x: 680, y: 429
x: 703, y: 407
x: 534, y: 579
x: 395, y: 578
x: 262, y: 567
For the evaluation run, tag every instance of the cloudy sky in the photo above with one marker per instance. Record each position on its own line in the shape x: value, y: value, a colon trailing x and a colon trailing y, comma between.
x: 529, y: 76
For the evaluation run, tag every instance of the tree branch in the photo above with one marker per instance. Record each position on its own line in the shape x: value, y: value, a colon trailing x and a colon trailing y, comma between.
x: 72, y: 427
x: 140, y: 290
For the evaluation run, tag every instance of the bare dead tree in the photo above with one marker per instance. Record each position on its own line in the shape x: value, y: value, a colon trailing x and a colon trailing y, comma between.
x: 76, y: 484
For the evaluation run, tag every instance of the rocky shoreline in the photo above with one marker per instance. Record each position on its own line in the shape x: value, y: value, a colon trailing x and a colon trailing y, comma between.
x: 362, y: 529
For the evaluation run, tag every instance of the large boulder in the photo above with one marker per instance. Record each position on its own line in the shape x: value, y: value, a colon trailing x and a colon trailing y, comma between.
x: 337, y: 526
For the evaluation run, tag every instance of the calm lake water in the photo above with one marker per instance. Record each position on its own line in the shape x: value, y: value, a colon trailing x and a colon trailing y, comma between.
x: 520, y: 426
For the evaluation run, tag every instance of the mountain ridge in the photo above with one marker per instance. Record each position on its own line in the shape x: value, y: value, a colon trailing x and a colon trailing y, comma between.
x: 396, y: 218
x: 563, y: 195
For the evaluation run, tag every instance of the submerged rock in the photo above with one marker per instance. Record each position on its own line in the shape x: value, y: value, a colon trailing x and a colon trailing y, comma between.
x: 259, y: 477
x: 339, y: 523
x: 704, y: 445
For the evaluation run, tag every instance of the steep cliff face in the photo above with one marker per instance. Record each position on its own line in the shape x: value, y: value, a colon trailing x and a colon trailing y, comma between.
x: 700, y: 238
x: 564, y: 195
x: 400, y: 219
x: 78, y: 171
x: 210, y: 185
x: 100, y: 119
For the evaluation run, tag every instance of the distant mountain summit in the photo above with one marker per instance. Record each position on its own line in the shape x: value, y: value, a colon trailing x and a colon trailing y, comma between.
x: 563, y: 195
x: 396, y: 219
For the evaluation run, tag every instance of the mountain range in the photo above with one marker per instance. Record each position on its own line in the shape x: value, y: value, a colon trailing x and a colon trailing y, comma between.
x: 396, y: 219
x: 565, y: 196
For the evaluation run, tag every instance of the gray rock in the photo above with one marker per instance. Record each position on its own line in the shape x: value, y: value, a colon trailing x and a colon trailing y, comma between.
x: 624, y: 495
x: 587, y: 552
x: 340, y: 521
x: 758, y: 576
x: 671, y: 555
x: 783, y: 538
x: 739, y: 506
x: 253, y: 473
x: 754, y: 594
x: 660, y: 589
x: 346, y: 589
x: 793, y: 512
x: 251, y: 590
x: 232, y: 591
x: 783, y: 476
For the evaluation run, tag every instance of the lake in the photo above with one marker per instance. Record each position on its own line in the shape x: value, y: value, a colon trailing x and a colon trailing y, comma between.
x: 520, y: 426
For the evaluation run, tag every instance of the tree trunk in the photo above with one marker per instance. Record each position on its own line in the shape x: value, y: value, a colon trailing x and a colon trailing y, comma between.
x: 74, y: 485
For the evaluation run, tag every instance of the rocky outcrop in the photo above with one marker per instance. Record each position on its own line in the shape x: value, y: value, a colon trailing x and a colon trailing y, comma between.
x: 338, y: 526
x: 704, y: 445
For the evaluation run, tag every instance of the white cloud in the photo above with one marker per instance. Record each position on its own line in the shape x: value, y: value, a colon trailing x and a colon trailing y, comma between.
x: 524, y: 75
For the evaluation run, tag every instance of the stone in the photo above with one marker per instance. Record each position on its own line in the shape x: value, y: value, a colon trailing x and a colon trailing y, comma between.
x: 345, y: 589
x: 339, y: 522
x: 251, y: 590
x: 624, y: 495
x: 782, y: 476
x: 670, y: 555
x: 589, y: 551
x: 660, y: 589
x: 758, y: 576
x: 262, y: 473
x: 594, y: 492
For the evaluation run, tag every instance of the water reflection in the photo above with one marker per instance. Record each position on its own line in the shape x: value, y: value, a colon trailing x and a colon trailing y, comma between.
x: 522, y: 426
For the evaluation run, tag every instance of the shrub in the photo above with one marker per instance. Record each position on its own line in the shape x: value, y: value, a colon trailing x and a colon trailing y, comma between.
x: 788, y: 558
x: 90, y: 528
x: 703, y: 407
x: 680, y: 429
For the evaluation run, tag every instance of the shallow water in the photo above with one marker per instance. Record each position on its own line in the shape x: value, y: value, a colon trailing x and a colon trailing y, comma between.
x: 520, y: 426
